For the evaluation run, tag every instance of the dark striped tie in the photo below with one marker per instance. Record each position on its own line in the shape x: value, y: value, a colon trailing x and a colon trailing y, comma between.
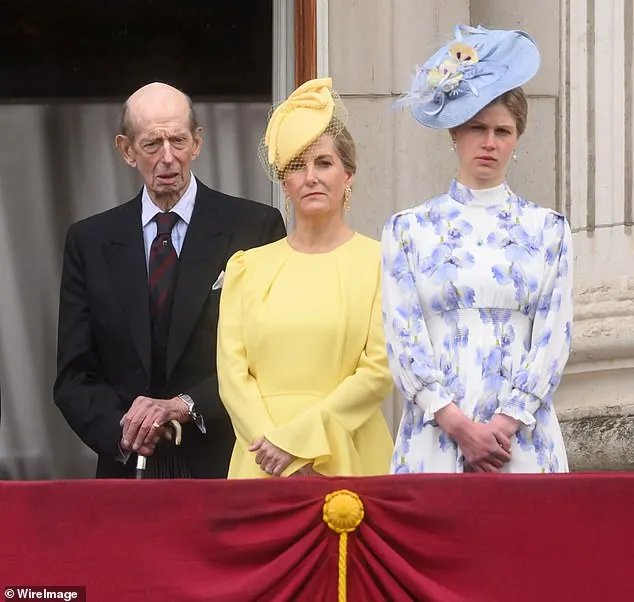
x: 163, y: 265
x: 168, y: 461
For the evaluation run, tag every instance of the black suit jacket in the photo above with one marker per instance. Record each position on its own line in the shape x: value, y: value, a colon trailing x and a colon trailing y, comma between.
x: 104, y: 340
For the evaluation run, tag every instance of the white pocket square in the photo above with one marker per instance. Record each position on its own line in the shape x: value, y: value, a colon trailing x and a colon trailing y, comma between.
x: 218, y: 284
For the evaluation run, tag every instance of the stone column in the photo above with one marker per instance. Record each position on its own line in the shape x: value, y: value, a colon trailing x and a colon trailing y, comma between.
x: 597, y: 394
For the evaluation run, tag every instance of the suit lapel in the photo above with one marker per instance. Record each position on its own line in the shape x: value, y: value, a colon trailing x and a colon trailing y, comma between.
x: 202, y: 258
x: 125, y: 255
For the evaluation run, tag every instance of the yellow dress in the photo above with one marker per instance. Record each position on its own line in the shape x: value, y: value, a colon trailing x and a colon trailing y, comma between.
x: 302, y: 359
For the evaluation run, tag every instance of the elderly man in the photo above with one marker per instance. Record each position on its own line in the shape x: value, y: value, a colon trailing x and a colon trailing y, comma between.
x: 139, y: 303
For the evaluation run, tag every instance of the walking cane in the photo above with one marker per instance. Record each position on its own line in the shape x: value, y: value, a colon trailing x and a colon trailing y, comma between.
x: 177, y: 435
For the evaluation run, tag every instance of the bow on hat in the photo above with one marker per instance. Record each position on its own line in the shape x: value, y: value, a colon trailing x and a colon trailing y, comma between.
x: 299, y: 121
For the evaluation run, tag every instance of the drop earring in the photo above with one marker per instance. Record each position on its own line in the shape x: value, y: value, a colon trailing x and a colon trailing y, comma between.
x: 346, y: 199
x: 288, y: 209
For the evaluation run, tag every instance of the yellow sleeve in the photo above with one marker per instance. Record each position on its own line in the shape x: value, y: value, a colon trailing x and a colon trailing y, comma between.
x: 239, y: 391
x: 329, y: 427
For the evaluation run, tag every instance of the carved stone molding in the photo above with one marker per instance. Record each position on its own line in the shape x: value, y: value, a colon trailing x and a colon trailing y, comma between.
x: 603, y: 324
x: 599, y: 439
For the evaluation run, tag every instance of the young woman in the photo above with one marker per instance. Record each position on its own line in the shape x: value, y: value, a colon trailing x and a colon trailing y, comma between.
x: 477, y: 283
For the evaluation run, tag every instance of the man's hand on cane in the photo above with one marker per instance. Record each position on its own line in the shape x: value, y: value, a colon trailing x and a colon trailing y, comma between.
x: 143, y: 422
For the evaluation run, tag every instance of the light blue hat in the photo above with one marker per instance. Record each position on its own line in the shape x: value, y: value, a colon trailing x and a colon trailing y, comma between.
x: 467, y: 74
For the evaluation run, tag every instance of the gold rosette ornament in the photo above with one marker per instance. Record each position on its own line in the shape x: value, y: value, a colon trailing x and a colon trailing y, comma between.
x: 343, y: 513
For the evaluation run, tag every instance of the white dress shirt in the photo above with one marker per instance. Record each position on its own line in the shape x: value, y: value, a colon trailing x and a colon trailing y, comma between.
x: 184, y: 209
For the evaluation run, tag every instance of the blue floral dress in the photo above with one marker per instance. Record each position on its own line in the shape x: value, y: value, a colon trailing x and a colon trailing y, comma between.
x: 477, y: 309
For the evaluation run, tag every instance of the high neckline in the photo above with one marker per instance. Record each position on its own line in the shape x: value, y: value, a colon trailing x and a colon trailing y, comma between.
x: 482, y: 197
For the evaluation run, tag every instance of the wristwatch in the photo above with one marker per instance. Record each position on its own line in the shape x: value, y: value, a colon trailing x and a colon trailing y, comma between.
x: 193, y: 414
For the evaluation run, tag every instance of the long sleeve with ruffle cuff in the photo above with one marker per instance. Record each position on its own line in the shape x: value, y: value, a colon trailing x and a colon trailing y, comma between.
x: 540, y: 373
x: 411, y: 356
x: 239, y: 390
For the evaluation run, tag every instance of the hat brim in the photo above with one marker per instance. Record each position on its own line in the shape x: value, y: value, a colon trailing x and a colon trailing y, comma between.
x: 523, y: 65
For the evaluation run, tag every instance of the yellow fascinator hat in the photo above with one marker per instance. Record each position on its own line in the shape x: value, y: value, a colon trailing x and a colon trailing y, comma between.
x: 311, y: 111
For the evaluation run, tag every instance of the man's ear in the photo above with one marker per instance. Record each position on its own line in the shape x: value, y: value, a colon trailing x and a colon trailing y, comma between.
x: 198, y: 142
x: 124, y: 146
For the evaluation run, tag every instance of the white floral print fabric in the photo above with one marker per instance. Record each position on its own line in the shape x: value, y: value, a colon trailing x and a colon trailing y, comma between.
x: 477, y: 309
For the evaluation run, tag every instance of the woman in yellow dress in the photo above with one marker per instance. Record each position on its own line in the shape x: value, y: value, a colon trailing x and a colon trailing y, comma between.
x: 302, y: 365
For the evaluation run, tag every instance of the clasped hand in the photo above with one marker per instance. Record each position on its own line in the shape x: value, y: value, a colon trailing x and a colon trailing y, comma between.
x: 485, y: 447
x: 270, y: 458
